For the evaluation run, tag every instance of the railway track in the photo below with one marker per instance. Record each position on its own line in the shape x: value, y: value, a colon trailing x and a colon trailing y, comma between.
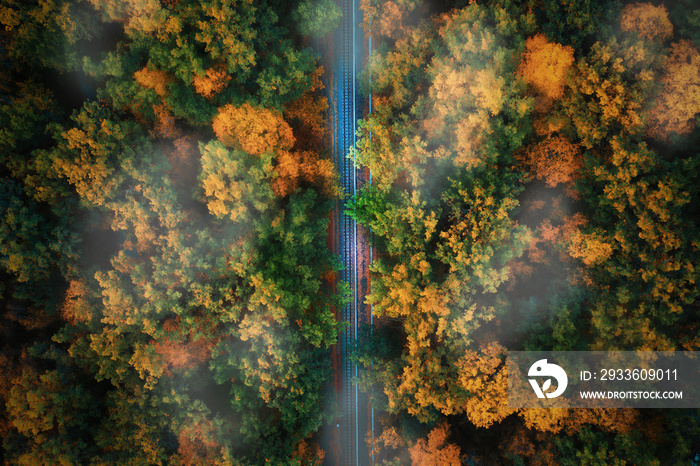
x: 348, y: 108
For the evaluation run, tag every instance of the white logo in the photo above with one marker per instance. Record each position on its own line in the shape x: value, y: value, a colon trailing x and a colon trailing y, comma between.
x: 542, y: 369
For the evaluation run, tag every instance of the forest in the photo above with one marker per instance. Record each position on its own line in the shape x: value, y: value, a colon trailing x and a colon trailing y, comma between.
x: 168, y: 295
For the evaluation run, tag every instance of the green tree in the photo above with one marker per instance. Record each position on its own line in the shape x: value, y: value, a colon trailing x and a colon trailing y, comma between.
x: 52, y: 411
x: 589, y: 447
x: 46, y: 33
x: 316, y: 18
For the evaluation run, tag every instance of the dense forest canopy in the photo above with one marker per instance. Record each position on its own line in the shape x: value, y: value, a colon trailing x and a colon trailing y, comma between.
x: 535, y: 188
x: 166, y: 286
x: 164, y: 259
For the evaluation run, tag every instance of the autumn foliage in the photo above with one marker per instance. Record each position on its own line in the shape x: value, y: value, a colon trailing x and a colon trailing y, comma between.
x: 435, y: 449
x: 544, y: 65
x: 255, y: 130
x: 647, y: 20
x: 303, y: 166
x: 153, y: 79
x: 211, y: 83
x: 168, y: 291
x: 679, y: 101
x: 554, y: 160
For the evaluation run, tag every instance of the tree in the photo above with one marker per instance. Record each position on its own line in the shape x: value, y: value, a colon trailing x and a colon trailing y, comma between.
x: 390, y: 19
x: 317, y: 18
x: 435, y: 450
x: 640, y: 247
x: 295, y: 168
x: 52, y: 411
x: 25, y: 139
x: 88, y: 155
x: 214, y: 81
x: 37, y: 250
x: 594, y: 448
x: 138, y: 16
x: 233, y: 182
x: 308, y: 115
x: 608, y: 90
x: 650, y: 22
x: 554, y: 160
x: 686, y: 18
x: 544, y: 66
x: 46, y: 33
x: 254, y: 130
x: 572, y: 22
x: 679, y: 102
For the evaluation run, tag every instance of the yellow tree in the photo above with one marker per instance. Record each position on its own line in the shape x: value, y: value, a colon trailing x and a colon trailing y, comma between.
x: 679, y: 102
x: 544, y: 65
x: 153, y: 79
x: 233, y: 182
x: 647, y: 20
x: 255, y: 130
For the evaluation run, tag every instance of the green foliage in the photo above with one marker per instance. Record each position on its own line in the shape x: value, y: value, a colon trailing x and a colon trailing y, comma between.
x: 609, y: 88
x: 233, y: 182
x: 24, y: 138
x: 643, y: 209
x: 573, y: 22
x: 685, y: 15
x: 90, y: 153
x: 46, y: 33
x: 592, y: 448
x: 36, y: 248
x: 316, y: 18
x: 561, y: 324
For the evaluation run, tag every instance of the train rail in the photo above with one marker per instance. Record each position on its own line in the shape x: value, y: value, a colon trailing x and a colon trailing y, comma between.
x: 347, y: 109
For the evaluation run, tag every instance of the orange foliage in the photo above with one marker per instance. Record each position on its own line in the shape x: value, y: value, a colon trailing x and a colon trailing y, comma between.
x: 483, y: 374
x: 307, y: 113
x: 554, y: 160
x: 165, y: 122
x: 389, y: 438
x: 308, y: 453
x: 196, y: 445
x: 153, y: 79
x: 253, y: 129
x: 185, y: 355
x: 294, y: 167
x: 75, y: 307
x: 547, y: 124
x: 535, y: 254
x: 534, y: 205
x: 548, y: 233
x: 591, y: 248
x: 544, y: 65
x: 647, y: 20
x: 180, y: 352
x: 679, y: 101
x: 391, y: 20
x: 213, y: 82
x: 434, y: 450
x: 535, y: 452
x: 158, y: 81
x: 572, y: 224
